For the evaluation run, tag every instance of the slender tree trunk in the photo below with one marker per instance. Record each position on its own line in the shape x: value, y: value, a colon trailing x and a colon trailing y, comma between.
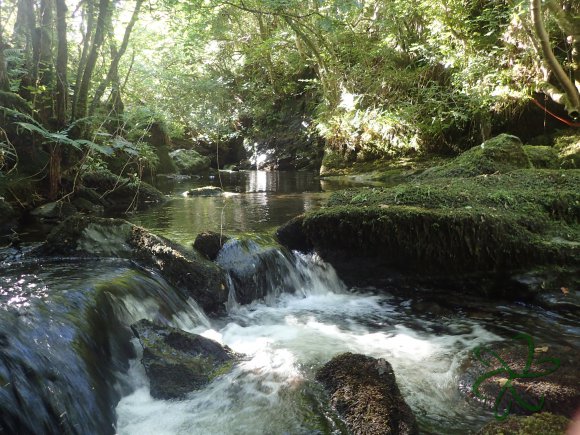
x: 22, y: 37
x: 82, y: 100
x: 61, y: 64
x: 116, y: 58
x: 573, y: 106
x: 43, y: 63
x: 89, y: 16
x: 4, y: 80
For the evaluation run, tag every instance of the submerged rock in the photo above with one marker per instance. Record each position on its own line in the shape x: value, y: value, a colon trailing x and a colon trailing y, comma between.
x: 83, y: 236
x: 543, y: 423
x: 209, y: 243
x: 551, y: 382
x: 365, y: 393
x: 190, y: 162
x: 178, y: 362
x: 205, y: 191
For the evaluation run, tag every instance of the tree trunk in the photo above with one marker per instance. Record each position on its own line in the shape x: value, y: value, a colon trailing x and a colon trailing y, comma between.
x: 573, y: 106
x: 61, y: 64
x: 4, y: 80
x: 82, y: 99
x: 116, y: 58
x: 42, y: 61
x: 22, y: 37
x: 89, y: 16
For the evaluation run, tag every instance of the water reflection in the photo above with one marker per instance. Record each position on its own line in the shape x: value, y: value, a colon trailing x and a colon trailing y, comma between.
x: 264, y: 201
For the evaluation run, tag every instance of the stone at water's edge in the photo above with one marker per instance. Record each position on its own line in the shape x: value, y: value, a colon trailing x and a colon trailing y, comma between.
x: 178, y: 362
x: 365, y: 393
x: 559, y: 388
x: 292, y: 235
x: 209, y: 243
x: 543, y: 423
x: 116, y: 193
x: 7, y: 217
x: 83, y: 236
x: 205, y: 191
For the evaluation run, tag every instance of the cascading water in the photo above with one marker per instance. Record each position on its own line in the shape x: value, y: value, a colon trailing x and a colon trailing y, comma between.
x: 69, y: 364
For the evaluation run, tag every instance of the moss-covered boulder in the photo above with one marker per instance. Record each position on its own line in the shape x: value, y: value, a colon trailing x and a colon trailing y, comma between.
x: 178, y: 362
x: 209, y: 243
x: 541, y: 376
x: 190, y: 162
x: 543, y: 423
x: 444, y: 226
x: 567, y: 144
x: 292, y: 235
x: 543, y: 157
x: 364, y: 392
x: 119, y: 194
x: 83, y: 236
x: 501, y: 154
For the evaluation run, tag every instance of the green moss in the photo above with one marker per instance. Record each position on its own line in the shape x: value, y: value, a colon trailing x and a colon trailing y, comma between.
x: 502, y: 221
x: 501, y: 154
x: 542, y: 156
x: 543, y: 423
x: 568, y: 145
x: 190, y: 162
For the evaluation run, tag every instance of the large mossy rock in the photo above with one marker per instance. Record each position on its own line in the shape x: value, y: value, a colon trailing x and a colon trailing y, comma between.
x: 441, y: 227
x: 501, y: 154
x: 178, y: 362
x: 552, y: 377
x: 119, y: 194
x: 292, y: 235
x: 83, y: 236
x: 567, y: 144
x: 364, y: 392
x: 190, y: 162
x: 543, y: 423
x: 542, y: 157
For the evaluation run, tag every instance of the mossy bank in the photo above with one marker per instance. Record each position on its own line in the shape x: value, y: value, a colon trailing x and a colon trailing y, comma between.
x: 488, y: 212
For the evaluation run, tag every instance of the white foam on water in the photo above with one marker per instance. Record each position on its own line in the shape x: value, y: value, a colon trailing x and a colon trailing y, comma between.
x: 285, y: 340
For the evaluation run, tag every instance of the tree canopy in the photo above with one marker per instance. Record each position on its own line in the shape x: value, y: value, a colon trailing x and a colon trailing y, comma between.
x: 365, y: 78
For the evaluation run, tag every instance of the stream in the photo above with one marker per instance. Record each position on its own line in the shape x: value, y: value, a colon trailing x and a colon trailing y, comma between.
x: 68, y: 363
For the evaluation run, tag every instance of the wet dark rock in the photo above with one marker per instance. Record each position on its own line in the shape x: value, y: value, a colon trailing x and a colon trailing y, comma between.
x: 206, y: 191
x: 178, y: 362
x: 543, y: 423
x: 122, y: 194
x: 54, y: 211
x: 84, y: 236
x: 209, y: 243
x: 292, y: 235
x: 556, y: 381
x: 365, y: 393
x: 8, y: 217
x: 190, y: 162
x: 85, y: 206
x: 256, y: 270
